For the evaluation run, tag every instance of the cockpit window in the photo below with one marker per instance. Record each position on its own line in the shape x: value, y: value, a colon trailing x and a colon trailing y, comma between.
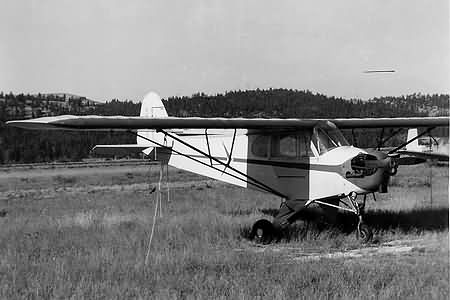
x: 328, y: 137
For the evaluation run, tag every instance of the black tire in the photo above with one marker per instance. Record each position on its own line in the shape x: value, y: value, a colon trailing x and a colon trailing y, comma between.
x: 364, y: 233
x: 262, y: 232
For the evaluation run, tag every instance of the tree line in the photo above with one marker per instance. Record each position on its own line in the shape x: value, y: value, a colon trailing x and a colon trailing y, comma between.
x: 23, y: 146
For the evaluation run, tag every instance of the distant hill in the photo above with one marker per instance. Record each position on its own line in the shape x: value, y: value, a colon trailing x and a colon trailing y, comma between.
x: 68, y: 96
x: 25, y: 106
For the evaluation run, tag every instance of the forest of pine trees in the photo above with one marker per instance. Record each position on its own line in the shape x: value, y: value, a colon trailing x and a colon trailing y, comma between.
x: 17, y: 146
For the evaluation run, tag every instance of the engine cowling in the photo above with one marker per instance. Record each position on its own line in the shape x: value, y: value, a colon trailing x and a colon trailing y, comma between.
x: 372, y: 171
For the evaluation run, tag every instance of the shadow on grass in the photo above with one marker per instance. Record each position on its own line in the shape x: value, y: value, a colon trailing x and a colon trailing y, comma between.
x: 412, y: 220
x: 313, y: 223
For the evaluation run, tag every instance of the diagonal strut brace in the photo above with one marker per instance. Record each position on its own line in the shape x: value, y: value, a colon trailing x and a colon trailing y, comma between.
x: 268, y: 188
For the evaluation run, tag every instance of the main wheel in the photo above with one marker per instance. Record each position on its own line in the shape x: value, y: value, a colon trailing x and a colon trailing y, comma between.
x: 364, y: 233
x: 262, y: 232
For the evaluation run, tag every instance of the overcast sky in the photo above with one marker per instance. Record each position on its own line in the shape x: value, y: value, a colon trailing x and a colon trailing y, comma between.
x: 123, y: 49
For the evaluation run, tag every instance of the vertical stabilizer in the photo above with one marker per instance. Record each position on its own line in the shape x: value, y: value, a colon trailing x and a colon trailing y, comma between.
x: 414, y: 145
x: 151, y: 107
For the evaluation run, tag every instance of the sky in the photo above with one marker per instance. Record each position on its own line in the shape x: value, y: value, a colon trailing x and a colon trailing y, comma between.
x: 105, y: 49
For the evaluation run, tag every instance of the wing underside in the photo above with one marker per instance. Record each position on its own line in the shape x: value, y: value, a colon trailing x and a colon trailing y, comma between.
x: 69, y: 122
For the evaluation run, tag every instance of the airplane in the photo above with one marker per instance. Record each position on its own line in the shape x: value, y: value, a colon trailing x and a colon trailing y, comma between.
x: 306, y: 162
x: 429, y: 147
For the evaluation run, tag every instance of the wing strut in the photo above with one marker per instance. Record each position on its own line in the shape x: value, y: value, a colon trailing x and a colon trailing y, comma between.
x: 255, y: 181
x: 394, y: 133
x: 380, y: 139
x: 207, y: 144
x: 230, y: 154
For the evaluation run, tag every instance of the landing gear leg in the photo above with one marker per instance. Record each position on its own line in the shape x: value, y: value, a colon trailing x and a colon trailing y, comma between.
x: 265, y: 232
x: 363, y: 232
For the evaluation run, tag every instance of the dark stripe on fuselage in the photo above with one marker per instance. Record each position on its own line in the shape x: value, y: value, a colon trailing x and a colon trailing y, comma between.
x: 281, y: 164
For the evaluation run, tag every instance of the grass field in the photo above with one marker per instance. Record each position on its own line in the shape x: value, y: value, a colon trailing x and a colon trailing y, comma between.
x: 83, y: 233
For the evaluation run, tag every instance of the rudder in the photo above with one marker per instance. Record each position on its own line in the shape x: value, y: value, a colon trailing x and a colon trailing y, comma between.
x: 151, y: 107
x: 414, y: 145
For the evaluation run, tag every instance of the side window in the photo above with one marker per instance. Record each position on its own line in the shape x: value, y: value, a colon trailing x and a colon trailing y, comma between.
x: 293, y: 146
x: 288, y: 146
x: 284, y: 146
x: 260, y: 146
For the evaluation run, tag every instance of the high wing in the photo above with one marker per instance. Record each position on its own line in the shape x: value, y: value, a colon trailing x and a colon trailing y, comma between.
x: 69, y: 122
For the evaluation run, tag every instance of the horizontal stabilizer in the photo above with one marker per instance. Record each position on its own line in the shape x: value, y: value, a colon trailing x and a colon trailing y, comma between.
x: 118, y: 150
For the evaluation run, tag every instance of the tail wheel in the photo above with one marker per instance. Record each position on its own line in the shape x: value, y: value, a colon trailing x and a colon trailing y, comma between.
x: 262, y: 232
x: 364, y: 233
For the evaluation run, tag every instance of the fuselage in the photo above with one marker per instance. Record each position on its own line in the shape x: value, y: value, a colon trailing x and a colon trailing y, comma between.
x: 306, y: 164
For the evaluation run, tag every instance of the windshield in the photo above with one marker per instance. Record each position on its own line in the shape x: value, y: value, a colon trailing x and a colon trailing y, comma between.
x: 328, y: 137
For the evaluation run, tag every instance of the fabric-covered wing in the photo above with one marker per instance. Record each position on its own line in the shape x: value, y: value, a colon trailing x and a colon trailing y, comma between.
x: 69, y: 122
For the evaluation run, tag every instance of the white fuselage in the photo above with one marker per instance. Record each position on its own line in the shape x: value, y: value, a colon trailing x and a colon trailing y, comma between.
x: 297, y: 177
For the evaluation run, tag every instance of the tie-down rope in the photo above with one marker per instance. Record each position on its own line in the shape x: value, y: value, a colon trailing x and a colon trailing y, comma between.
x: 158, y: 206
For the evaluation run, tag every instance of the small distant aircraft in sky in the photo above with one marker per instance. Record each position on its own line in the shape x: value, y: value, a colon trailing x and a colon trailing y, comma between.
x: 379, y: 71
x: 306, y: 162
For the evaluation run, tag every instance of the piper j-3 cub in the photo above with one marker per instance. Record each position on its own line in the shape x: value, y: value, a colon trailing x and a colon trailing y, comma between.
x: 303, y: 161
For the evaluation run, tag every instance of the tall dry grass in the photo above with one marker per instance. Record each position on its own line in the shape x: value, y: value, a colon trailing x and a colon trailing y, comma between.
x: 81, y: 242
